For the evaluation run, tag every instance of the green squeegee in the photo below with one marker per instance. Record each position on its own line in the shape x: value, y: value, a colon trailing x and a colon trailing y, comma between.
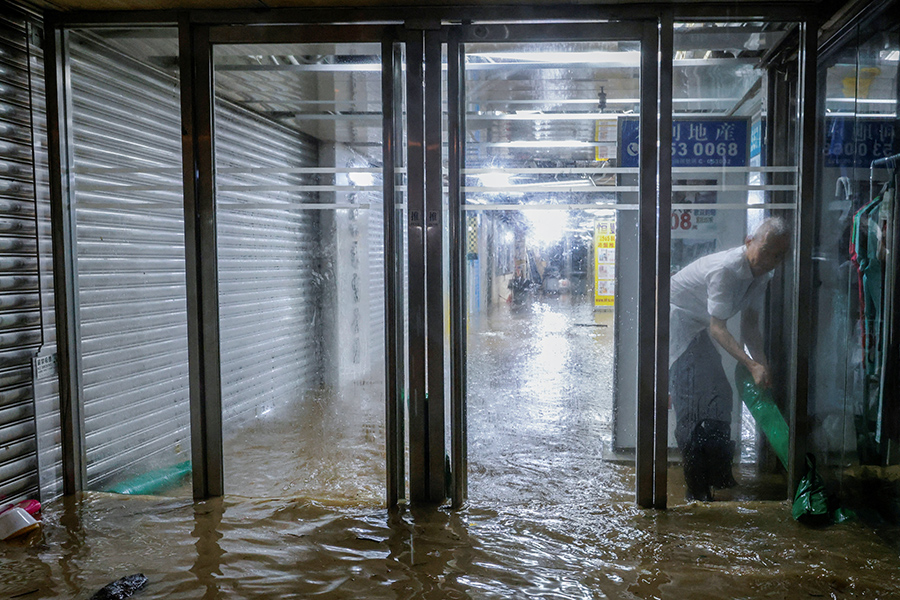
x: 762, y: 407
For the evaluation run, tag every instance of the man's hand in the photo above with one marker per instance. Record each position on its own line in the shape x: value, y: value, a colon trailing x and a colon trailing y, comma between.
x: 760, y: 375
x: 720, y: 333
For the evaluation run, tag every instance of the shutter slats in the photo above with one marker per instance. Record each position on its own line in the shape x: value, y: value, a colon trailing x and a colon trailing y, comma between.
x: 130, y: 262
x: 266, y: 257
x: 20, y: 320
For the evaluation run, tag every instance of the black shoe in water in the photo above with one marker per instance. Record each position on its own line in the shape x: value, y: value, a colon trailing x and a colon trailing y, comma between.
x: 703, y: 494
x: 725, y: 482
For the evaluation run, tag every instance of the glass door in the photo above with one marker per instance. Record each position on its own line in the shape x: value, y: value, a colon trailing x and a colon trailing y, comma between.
x: 308, y: 262
x: 342, y: 252
x: 734, y: 261
x: 548, y: 299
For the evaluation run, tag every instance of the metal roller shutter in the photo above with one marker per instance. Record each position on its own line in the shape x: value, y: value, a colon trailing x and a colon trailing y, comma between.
x: 376, y: 286
x: 130, y: 252
x: 268, y: 255
x: 46, y: 382
x: 20, y: 306
x: 126, y: 122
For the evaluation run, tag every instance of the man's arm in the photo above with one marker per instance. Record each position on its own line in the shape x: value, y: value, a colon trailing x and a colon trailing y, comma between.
x: 751, y: 336
x: 719, y: 332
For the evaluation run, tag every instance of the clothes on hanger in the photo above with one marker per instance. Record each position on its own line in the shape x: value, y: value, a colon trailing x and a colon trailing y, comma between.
x: 865, y: 240
x: 874, y: 248
x: 890, y: 379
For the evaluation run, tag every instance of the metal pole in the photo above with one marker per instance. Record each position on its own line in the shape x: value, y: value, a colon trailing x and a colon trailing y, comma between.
x: 62, y: 217
x: 647, y: 230
x: 418, y: 417
x: 434, y: 250
x: 663, y: 258
x: 888, y: 161
x: 458, y: 313
x: 201, y: 267
x: 803, y: 277
x: 391, y: 78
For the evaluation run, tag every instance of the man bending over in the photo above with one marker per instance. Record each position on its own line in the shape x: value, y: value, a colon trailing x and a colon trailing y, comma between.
x: 704, y: 295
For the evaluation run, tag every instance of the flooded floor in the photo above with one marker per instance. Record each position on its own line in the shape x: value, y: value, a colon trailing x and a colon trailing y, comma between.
x: 540, y: 407
x: 296, y: 548
x: 549, y: 515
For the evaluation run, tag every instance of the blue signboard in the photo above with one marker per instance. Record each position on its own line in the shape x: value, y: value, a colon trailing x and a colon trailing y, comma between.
x: 695, y: 142
x: 857, y: 142
x: 756, y: 141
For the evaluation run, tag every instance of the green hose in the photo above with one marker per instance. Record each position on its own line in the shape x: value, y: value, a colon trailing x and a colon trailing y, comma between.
x: 762, y: 407
x: 154, y: 482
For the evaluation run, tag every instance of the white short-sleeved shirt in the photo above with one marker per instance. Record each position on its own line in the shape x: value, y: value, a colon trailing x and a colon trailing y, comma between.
x: 717, y: 285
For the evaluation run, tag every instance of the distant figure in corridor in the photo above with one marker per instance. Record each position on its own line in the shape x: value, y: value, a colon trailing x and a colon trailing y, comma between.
x: 704, y: 295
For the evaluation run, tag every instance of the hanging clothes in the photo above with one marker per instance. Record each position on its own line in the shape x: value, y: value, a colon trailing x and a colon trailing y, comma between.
x: 872, y: 277
x: 874, y: 250
x: 890, y: 375
x: 864, y: 252
x: 890, y: 381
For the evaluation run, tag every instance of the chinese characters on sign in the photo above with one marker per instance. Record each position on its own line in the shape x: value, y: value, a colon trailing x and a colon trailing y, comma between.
x: 694, y: 220
x: 857, y: 142
x: 694, y: 230
x: 695, y: 142
x: 604, y: 263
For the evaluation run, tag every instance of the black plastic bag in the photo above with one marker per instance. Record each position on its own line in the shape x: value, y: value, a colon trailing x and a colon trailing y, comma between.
x: 810, y: 502
x: 122, y: 588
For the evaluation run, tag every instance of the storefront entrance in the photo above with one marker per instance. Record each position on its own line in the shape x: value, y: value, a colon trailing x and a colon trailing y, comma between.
x: 413, y: 253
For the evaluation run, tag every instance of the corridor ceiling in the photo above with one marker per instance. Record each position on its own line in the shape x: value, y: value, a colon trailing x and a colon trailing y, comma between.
x: 543, y: 91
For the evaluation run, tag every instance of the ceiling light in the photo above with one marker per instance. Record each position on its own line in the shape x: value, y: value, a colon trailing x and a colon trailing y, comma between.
x: 545, y: 144
x: 630, y: 58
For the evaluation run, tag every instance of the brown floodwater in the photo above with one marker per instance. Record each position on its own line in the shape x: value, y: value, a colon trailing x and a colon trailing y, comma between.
x: 550, y: 513
x: 301, y: 548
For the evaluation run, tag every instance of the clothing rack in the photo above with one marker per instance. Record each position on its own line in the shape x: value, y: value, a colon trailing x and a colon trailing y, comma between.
x: 889, y: 402
x: 890, y: 162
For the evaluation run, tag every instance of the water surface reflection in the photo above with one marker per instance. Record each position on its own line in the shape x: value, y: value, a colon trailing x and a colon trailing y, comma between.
x: 540, y: 406
x: 300, y: 548
x: 548, y: 517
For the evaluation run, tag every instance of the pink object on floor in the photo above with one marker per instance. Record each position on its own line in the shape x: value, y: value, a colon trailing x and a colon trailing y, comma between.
x: 32, y: 507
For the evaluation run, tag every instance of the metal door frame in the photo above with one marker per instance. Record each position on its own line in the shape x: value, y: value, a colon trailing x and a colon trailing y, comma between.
x: 651, y: 473
x: 197, y: 42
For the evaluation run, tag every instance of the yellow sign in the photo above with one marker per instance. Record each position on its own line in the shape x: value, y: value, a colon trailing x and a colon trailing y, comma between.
x: 604, y: 263
x: 605, y: 132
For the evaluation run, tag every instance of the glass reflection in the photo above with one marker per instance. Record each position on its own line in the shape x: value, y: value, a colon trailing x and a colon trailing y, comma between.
x: 854, y: 410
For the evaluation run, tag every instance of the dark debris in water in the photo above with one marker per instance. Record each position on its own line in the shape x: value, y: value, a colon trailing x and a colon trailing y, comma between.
x: 121, y: 588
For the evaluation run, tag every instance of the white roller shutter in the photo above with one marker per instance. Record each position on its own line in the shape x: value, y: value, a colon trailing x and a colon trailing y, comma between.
x: 126, y: 122
x: 20, y: 306
x: 269, y: 313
